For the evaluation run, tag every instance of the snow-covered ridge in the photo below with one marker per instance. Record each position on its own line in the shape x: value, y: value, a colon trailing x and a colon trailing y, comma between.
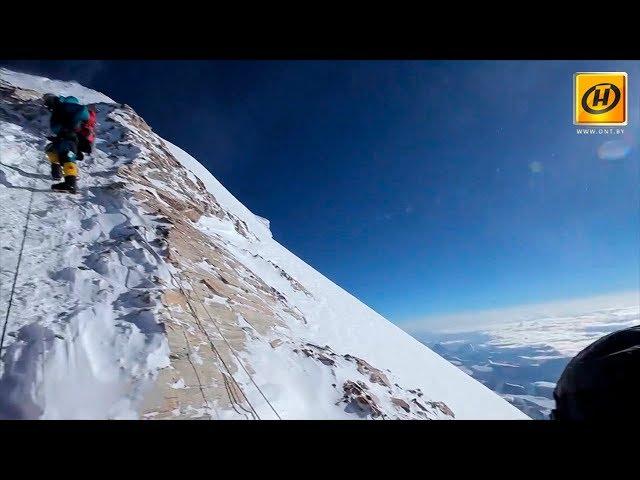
x: 163, y: 294
x: 258, y: 225
x: 43, y: 85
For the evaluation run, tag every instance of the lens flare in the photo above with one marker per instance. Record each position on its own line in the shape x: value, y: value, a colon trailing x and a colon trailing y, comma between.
x: 536, y: 167
x: 614, y: 150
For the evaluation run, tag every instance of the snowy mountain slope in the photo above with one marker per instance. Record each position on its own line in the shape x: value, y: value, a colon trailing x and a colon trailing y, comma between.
x: 75, y: 309
x: 155, y: 293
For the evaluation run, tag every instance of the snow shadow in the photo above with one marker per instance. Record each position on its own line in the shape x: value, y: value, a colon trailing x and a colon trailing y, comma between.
x: 23, y: 362
x: 8, y: 184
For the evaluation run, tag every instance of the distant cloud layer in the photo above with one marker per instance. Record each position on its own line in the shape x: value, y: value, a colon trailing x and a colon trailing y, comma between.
x: 522, y: 360
x: 577, y: 310
x: 566, y: 335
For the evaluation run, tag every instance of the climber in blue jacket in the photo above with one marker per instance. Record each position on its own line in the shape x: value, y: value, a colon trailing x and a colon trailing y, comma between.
x: 68, y: 116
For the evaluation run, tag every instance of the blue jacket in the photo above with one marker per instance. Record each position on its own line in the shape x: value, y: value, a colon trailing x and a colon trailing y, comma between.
x: 68, y: 115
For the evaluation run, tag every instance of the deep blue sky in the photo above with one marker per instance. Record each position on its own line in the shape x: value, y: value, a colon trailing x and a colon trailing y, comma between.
x: 420, y: 187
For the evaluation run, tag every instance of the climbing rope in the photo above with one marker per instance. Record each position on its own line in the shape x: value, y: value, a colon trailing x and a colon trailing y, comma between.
x: 216, y: 326
x: 231, y: 349
x: 15, y: 278
x: 178, y: 284
x: 253, y: 411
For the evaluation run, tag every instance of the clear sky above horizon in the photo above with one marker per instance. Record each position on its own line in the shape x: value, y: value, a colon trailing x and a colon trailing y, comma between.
x: 422, y: 188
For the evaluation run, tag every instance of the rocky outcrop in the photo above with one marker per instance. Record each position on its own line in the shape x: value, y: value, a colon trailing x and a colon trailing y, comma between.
x: 368, y: 391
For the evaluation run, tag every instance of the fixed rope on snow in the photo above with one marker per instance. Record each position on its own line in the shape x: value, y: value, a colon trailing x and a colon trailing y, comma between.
x: 15, y: 278
x: 231, y: 348
x: 179, y: 285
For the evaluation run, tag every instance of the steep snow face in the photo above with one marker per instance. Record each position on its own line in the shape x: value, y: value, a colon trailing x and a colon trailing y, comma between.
x: 336, y: 318
x: 155, y: 293
x: 79, y: 332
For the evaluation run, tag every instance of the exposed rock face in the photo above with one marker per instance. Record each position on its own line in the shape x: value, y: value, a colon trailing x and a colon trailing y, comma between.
x: 368, y: 392
x: 213, y: 304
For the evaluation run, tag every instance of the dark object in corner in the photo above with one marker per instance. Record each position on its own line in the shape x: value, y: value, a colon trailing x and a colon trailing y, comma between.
x: 602, y: 382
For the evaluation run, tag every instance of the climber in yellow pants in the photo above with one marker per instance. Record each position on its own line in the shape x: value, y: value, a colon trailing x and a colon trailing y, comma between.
x: 62, y: 153
x: 69, y: 119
